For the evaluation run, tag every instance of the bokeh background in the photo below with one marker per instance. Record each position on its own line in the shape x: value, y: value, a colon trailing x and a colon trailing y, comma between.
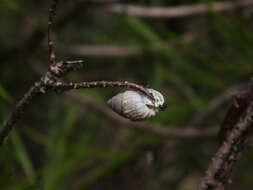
x: 73, y: 141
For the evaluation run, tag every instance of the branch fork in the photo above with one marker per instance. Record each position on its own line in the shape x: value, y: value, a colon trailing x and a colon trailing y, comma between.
x: 51, y: 80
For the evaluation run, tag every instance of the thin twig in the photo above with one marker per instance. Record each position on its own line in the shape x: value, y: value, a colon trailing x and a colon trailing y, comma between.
x: 34, y: 40
x: 59, y: 86
x: 62, y: 68
x: 51, y: 80
x: 164, y: 131
x: 101, y: 50
x: 52, y: 13
x: 37, y: 88
x: 19, y: 110
x: 176, y: 12
x: 55, y: 71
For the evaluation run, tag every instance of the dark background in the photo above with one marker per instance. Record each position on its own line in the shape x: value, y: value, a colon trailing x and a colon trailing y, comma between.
x: 73, y: 141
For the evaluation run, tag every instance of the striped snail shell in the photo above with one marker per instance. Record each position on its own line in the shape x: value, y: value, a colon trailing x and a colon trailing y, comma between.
x: 135, y: 105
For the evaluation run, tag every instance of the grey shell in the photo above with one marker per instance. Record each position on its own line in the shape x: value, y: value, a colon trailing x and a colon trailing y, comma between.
x: 158, y: 97
x: 135, y: 105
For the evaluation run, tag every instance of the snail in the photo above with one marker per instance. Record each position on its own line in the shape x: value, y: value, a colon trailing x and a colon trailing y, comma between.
x: 137, y: 106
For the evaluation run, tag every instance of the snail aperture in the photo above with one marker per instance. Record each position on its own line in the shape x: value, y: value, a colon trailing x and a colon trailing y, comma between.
x: 135, y: 105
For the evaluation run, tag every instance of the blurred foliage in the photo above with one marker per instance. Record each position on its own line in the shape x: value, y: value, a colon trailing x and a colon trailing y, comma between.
x: 60, y: 144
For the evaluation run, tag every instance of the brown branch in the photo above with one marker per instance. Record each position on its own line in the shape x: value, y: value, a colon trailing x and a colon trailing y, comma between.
x: 56, y: 71
x: 19, y: 110
x: 62, y: 68
x: 37, y: 88
x: 59, y: 86
x: 218, y: 173
x: 176, y: 12
x: 39, y: 34
x: 164, y: 131
x: 51, y: 80
x: 52, y: 13
x: 103, y: 50
x: 240, y: 103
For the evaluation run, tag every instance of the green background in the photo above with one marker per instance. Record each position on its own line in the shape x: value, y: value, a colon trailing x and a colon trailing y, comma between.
x: 70, y: 143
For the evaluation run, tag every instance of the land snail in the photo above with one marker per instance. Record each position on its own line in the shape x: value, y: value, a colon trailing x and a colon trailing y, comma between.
x: 137, y: 106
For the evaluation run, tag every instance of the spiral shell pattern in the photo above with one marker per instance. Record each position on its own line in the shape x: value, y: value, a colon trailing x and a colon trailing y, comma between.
x: 135, y: 105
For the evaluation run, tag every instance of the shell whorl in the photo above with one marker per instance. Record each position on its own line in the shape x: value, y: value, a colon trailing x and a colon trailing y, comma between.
x: 158, y: 97
x: 135, y: 105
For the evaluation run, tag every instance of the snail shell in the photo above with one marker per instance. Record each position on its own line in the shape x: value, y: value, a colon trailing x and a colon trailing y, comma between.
x: 136, y: 105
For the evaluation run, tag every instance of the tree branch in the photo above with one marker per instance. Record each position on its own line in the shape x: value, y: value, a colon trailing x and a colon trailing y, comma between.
x: 59, y: 86
x: 52, y: 13
x: 51, y: 80
x: 37, y: 36
x: 55, y: 71
x: 19, y: 110
x: 218, y: 173
x: 184, y: 132
x: 176, y: 12
x: 101, y: 50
